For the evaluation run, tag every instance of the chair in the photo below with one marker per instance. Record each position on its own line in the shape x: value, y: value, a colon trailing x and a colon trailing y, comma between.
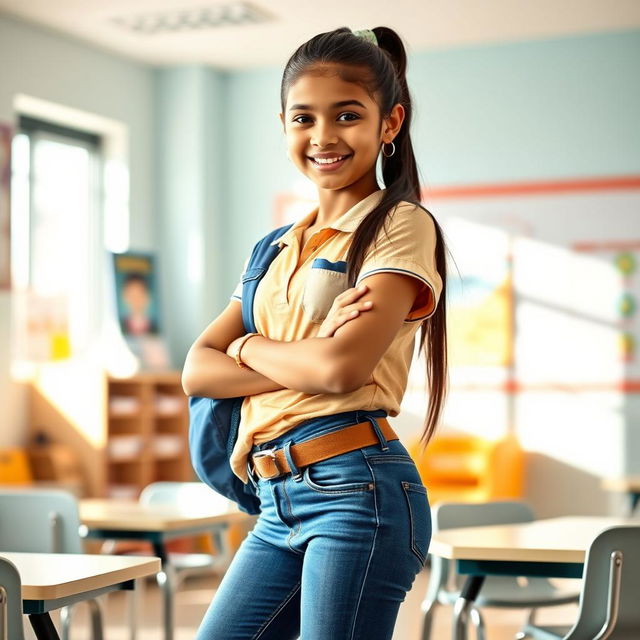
x: 497, y: 591
x: 195, y: 495
x: 609, y: 601
x: 465, y: 468
x: 44, y: 521
x: 10, y: 602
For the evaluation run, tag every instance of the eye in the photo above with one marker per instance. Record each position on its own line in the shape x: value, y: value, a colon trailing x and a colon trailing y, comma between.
x: 298, y: 120
x: 351, y: 116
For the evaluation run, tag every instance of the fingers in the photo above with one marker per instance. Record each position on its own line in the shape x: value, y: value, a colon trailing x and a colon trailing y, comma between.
x: 352, y: 294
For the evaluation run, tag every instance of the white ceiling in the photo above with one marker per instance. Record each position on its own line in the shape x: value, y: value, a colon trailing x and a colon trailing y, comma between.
x: 423, y: 24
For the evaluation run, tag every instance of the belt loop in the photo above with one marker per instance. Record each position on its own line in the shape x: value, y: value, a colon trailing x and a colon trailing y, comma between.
x: 295, y: 472
x: 376, y: 427
x: 253, y: 480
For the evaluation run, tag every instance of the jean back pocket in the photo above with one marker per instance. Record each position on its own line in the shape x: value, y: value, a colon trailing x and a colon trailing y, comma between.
x: 419, y: 519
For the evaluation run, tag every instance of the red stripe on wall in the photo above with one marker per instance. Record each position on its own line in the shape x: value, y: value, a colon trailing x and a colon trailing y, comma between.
x: 614, y: 183
x: 512, y: 386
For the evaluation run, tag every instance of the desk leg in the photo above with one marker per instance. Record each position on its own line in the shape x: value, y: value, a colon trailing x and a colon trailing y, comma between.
x: 634, y: 497
x: 463, y: 605
x: 165, y: 582
x: 43, y: 626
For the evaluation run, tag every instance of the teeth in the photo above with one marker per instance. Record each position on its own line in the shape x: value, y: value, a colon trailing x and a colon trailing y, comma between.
x: 328, y: 160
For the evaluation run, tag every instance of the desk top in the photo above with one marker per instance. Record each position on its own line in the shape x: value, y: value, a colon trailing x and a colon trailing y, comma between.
x: 622, y: 483
x: 554, y: 540
x: 47, y: 576
x: 118, y: 515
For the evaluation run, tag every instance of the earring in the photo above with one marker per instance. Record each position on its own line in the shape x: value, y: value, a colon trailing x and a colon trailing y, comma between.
x: 393, y: 150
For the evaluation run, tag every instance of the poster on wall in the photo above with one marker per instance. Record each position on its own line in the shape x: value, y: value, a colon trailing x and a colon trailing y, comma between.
x: 6, y: 133
x: 138, y: 308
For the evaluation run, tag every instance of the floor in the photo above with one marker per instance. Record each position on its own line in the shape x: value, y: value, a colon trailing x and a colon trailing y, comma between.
x: 193, y: 599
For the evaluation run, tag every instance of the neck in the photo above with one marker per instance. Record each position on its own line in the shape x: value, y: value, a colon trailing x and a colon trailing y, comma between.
x: 334, y: 203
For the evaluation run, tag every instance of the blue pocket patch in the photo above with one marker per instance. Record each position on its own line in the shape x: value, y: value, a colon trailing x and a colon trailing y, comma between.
x: 322, y: 263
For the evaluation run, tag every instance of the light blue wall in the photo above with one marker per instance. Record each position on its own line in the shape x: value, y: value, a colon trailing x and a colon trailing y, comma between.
x: 191, y: 174
x: 530, y: 110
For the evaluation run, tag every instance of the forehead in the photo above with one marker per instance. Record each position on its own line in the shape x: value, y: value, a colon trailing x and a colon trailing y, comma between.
x: 323, y: 85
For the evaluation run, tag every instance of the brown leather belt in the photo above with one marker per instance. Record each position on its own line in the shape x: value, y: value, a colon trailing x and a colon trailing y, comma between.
x: 272, y: 463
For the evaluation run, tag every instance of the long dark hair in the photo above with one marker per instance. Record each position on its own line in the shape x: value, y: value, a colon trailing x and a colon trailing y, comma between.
x: 381, y: 70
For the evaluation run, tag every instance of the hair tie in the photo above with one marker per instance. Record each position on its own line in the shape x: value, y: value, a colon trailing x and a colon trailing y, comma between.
x: 366, y: 34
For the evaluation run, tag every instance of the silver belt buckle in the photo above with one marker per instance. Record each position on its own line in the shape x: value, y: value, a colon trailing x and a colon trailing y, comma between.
x: 268, y: 453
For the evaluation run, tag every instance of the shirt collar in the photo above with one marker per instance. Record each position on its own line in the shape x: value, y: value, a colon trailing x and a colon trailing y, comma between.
x: 348, y: 221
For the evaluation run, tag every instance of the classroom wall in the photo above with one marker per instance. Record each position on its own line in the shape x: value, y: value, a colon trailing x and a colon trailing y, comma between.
x: 49, y: 66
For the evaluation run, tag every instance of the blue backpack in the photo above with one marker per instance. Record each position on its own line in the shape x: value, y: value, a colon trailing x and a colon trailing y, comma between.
x: 213, y: 423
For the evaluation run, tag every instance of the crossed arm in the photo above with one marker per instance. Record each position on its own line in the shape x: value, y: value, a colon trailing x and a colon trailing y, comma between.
x: 339, y: 363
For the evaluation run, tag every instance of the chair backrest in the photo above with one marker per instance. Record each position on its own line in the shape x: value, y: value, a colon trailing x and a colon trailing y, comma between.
x: 41, y: 521
x: 448, y: 515
x: 612, y: 567
x: 10, y: 602
x: 195, y: 496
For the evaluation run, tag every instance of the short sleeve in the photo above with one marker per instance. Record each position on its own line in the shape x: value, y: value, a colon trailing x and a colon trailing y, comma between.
x: 237, y: 292
x: 406, y: 244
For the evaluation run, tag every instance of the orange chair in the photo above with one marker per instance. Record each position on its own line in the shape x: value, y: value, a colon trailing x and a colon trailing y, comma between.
x: 15, y: 468
x: 464, y: 468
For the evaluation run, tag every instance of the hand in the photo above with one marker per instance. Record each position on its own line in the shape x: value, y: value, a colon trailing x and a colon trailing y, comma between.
x: 232, y: 349
x: 344, y: 308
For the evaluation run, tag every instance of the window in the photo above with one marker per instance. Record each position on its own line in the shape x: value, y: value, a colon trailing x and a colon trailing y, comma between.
x: 57, y: 238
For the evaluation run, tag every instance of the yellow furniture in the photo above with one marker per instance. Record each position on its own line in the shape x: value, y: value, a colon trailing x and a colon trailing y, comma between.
x: 14, y: 467
x: 464, y: 468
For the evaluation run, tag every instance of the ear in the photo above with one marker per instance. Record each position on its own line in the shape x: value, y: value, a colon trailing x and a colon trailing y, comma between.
x: 282, y: 120
x: 392, y: 123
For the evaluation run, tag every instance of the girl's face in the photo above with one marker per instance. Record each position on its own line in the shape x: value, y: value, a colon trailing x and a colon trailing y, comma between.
x: 329, y: 119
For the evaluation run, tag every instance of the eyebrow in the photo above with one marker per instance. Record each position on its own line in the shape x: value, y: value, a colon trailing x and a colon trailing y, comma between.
x: 335, y: 105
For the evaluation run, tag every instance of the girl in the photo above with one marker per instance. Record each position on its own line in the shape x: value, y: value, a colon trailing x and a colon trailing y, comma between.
x: 345, y: 522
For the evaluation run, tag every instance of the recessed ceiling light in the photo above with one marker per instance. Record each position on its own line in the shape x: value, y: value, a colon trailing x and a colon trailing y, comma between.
x: 214, y: 16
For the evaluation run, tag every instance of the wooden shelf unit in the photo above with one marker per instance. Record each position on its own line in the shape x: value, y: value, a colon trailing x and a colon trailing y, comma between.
x: 125, y: 432
x: 147, y: 432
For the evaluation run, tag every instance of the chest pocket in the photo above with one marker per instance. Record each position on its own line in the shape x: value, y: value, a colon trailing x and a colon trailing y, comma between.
x: 324, y: 282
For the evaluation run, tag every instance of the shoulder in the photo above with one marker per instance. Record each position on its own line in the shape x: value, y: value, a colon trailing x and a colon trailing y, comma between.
x: 406, y: 210
x: 407, y: 218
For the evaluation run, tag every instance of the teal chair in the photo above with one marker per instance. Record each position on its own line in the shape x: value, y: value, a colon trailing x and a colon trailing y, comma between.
x: 509, y: 592
x: 45, y: 521
x: 610, y: 597
x: 10, y: 602
x: 199, y: 496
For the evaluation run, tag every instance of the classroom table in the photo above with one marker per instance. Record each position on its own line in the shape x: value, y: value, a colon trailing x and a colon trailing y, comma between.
x: 553, y: 548
x: 54, y: 580
x: 626, y: 484
x: 128, y: 520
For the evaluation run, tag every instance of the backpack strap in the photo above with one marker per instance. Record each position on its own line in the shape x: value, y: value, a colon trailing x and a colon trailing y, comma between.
x: 264, y: 251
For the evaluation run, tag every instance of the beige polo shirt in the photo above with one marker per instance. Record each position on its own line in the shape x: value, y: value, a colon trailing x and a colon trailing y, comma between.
x: 296, y: 293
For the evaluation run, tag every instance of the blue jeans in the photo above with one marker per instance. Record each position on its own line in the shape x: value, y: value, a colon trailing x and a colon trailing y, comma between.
x: 335, y: 549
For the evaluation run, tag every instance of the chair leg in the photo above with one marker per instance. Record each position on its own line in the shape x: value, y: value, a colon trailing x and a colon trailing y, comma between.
x: 65, y: 622
x: 478, y: 623
x: 134, y: 597
x: 521, y: 635
x: 428, y: 609
x: 96, y: 619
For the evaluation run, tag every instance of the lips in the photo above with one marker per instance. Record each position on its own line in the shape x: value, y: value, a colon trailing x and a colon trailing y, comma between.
x: 329, y: 163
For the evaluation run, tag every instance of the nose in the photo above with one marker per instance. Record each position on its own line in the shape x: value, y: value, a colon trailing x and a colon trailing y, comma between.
x: 323, y: 134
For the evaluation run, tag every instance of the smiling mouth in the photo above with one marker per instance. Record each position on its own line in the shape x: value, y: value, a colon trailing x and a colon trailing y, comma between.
x: 329, y: 163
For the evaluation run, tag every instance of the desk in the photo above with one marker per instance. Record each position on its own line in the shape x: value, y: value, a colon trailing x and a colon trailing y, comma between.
x: 126, y: 520
x: 627, y: 484
x: 54, y: 580
x: 553, y: 548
